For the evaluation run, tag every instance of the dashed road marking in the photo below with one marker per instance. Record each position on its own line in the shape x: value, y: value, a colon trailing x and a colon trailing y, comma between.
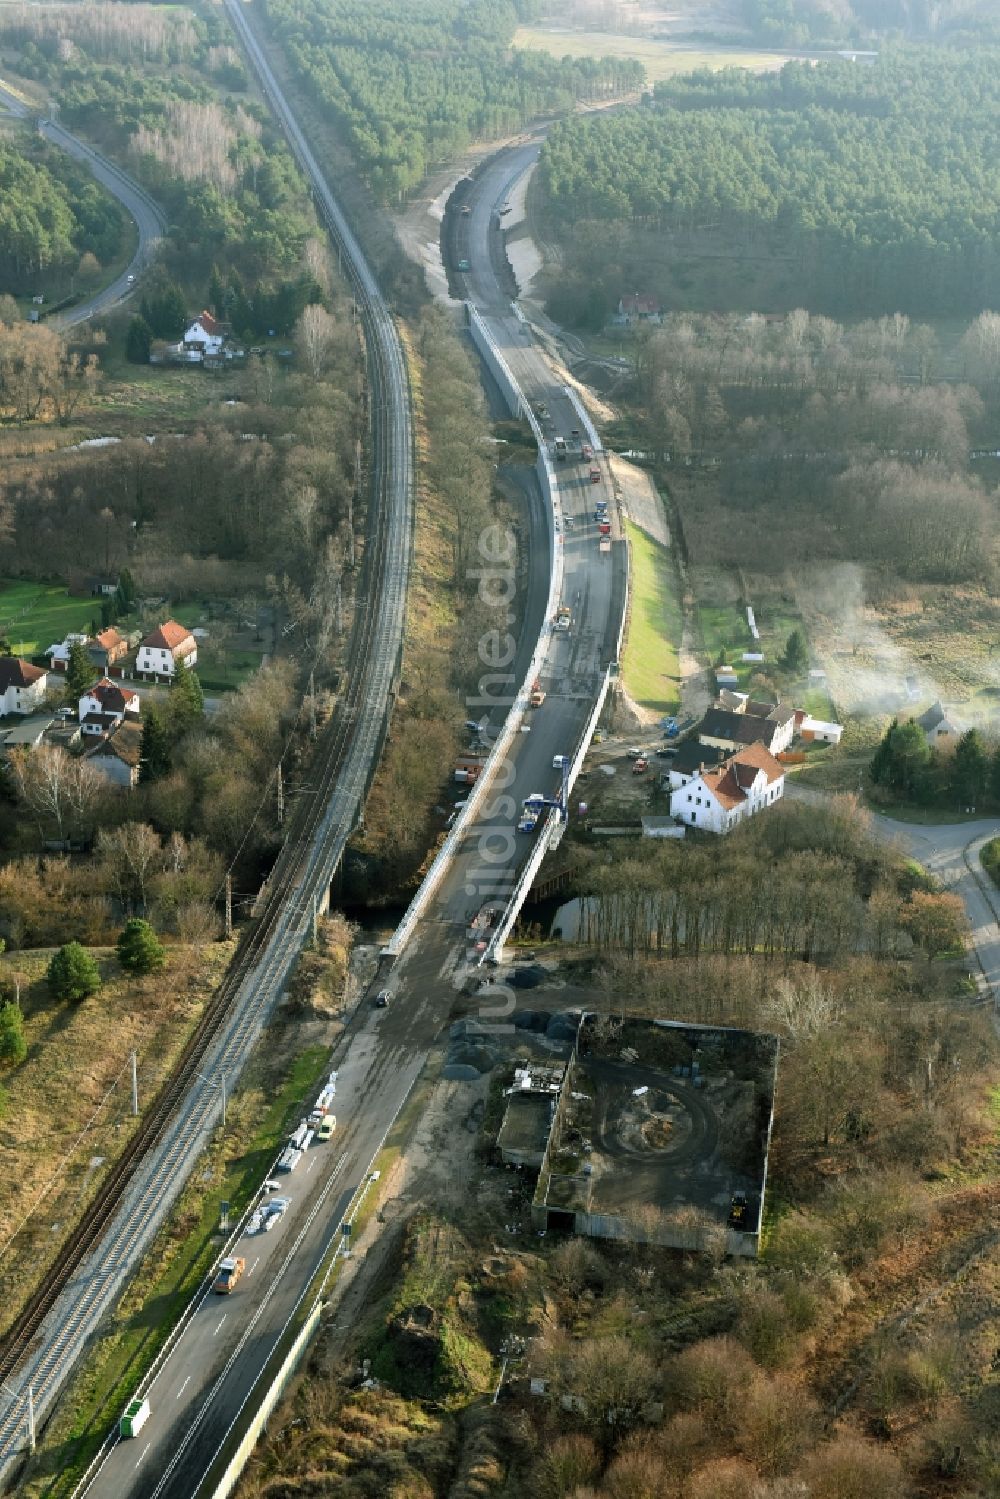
x: 183, y: 1387
x: 143, y: 1452
x: 224, y: 1316
x: 254, y: 1265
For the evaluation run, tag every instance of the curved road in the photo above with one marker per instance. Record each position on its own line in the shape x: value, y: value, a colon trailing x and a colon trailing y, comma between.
x: 149, y: 218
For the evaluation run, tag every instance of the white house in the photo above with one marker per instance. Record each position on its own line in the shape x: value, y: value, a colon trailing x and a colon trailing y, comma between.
x: 690, y: 760
x: 205, y: 336
x: 22, y: 686
x: 940, y: 727
x: 59, y: 654
x: 716, y: 800
x: 117, y: 755
x: 161, y: 653
x: 107, y: 705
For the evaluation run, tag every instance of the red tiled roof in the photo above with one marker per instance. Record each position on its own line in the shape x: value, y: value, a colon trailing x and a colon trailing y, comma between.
x: 109, y: 639
x: 170, y: 637
x: 729, y: 784
x: 209, y: 324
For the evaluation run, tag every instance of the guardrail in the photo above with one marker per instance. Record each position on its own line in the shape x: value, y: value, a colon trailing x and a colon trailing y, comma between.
x: 494, y: 950
x: 593, y: 437
x: 548, y: 483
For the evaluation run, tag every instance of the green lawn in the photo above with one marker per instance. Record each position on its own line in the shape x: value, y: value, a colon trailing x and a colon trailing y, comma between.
x: 651, y: 669
x: 660, y: 59
x: 35, y: 615
x: 725, y: 631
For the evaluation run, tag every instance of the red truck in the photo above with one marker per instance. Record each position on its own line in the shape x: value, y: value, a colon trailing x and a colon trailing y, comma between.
x: 595, y: 475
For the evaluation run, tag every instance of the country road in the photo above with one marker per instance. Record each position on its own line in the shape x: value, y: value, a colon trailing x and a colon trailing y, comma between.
x: 950, y: 851
x: 148, y: 217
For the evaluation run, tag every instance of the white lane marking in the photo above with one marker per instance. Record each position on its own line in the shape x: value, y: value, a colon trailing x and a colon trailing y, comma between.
x: 254, y: 1265
x: 183, y: 1387
x: 224, y: 1316
x: 143, y: 1453
x: 311, y: 1165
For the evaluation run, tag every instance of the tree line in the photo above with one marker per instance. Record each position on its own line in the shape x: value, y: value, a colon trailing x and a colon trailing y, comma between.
x: 825, y: 440
x: 877, y: 189
x: 412, y: 84
x: 838, y: 23
x: 52, y: 213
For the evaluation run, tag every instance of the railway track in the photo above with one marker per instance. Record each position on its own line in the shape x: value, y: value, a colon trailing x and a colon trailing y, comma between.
x: 41, y: 1346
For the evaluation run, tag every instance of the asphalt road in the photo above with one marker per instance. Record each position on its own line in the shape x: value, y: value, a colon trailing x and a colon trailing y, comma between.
x: 149, y: 219
x: 202, y: 1387
x: 950, y: 851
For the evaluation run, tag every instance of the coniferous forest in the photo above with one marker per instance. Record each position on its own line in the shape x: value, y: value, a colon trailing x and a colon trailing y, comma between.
x: 876, y: 188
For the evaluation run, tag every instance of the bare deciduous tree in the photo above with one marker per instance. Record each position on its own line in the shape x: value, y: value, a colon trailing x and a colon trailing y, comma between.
x: 315, y: 337
x: 59, y: 790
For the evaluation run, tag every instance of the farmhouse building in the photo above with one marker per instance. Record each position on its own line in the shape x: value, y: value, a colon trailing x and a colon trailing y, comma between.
x: 636, y: 309
x: 772, y: 726
x: 744, y: 784
x: 59, y: 654
x: 940, y: 728
x: 205, y: 336
x: 22, y: 686
x: 161, y: 653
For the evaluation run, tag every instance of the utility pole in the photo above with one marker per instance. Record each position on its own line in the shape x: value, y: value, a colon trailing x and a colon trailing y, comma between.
x: 281, y: 796
x: 312, y: 705
x: 315, y: 921
x: 228, y: 919
x: 222, y: 1080
x: 31, y: 1418
x: 135, y: 1084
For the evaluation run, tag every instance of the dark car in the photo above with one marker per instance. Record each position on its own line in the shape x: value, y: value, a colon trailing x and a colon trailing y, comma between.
x: 382, y: 999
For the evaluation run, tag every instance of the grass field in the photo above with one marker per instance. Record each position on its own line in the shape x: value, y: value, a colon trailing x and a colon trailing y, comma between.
x: 68, y: 1106
x: 651, y: 669
x: 660, y: 59
x: 34, y: 615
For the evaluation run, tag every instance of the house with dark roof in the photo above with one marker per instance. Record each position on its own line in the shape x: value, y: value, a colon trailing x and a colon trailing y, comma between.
x: 690, y: 760
x: 106, y: 705
x: 728, y: 730
x: 22, y: 686
x: 940, y: 728
x: 739, y: 787
x: 116, y: 755
x: 162, y: 652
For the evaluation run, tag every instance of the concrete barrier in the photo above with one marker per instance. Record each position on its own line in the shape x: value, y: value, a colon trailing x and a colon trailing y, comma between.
x: 271, y: 1396
x: 548, y: 483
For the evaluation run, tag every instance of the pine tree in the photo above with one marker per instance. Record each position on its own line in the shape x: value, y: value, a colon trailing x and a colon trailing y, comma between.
x: 154, y: 751
x: 971, y: 769
x: 138, y: 340
x: 187, y: 701
x: 796, y: 657
x: 72, y: 973
x: 903, y: 760
x: 13, y: 1046
x: 126, y: 587
x: 80, y: 672
x: 139, y: 950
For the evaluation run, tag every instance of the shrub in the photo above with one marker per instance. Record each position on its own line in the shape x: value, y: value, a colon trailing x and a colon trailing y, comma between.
x: 569, y: 1463
x: 139, y: 950
x: 850, y: 1468
x: 13, y: 1046
x: 72, y: 973
x: 712, y: 1378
